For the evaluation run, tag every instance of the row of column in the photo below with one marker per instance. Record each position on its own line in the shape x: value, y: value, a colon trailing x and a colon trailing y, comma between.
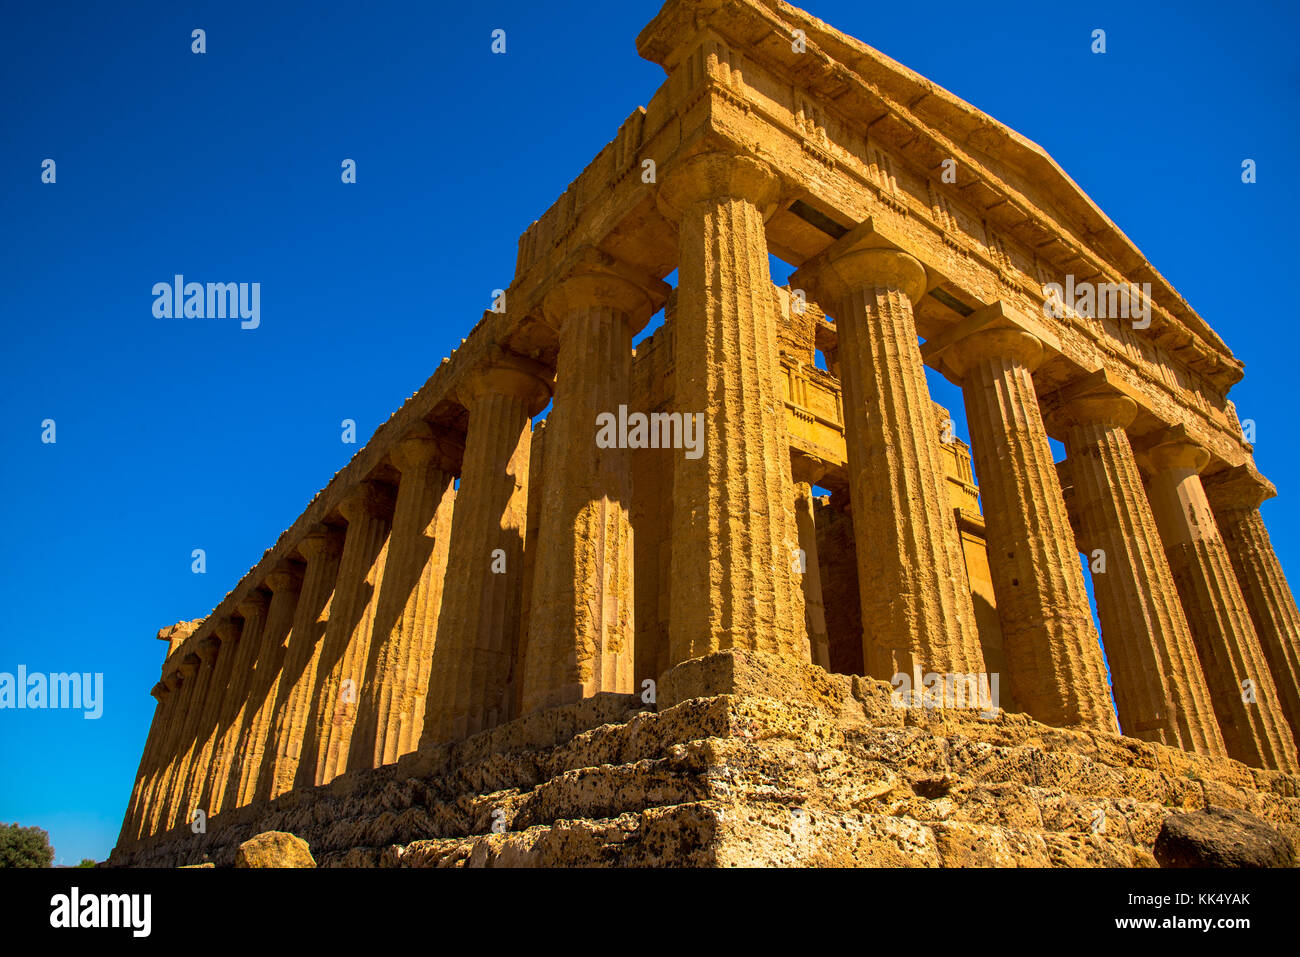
x: 1187, y: 664
x: 404, y: 629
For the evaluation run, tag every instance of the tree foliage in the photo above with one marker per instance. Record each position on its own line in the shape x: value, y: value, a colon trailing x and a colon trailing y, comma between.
x: 25, y: 847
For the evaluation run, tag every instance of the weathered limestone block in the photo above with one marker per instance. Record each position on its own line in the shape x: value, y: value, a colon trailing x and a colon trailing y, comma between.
x: 1235, y: 495
x: 1053, y: 655
x: 475, y: 647
x: 391, y: 716
x: 1221, y: 837
x: 274, y: 849
x: 581, y: 620
x: 1160, y: 689
x: 1241, y: 686
x: 734, y: 539
x: 916, y: 604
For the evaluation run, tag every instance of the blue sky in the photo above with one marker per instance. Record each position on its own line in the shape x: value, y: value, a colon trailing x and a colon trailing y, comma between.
x: 181, y: 434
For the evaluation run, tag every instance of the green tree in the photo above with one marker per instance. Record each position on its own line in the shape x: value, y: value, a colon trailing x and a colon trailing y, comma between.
x: 25, y: 847
x: 88, y: 862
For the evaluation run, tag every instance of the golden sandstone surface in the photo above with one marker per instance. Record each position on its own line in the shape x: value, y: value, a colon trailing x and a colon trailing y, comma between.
x: 633, y: 635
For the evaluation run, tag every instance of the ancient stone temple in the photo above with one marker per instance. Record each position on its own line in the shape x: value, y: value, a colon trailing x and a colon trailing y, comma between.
x: 738, y: 598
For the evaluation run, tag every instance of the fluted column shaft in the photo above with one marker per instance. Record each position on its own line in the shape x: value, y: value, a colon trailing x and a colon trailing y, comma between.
x: 916, y: 607
x: 819, y: 648
x: 1052, y: 651
x: 341, y: 670
x: 478, y: 631
x: 227, y: 632
x: 1160, y: 690
x: 208, y: 651
x: 157, y: 730
x: 1254, y: 731
x: 1236, y: 501
x: 580, y: 624
x: 285, y: 583
x: 391, y: 716
x: 222, y: 784
x: 294, y: 697
x: 734, y: 537
x: 156, y: 812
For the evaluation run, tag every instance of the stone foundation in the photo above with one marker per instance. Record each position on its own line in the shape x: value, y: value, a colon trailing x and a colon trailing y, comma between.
x: 751, y: 760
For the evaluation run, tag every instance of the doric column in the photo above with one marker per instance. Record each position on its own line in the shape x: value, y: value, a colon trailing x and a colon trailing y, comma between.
x: 207, y: 650
x: 1235, y: 495
x: 340, y: 672
x: 130, y: 821
x: 157, y: 819
x: 806, y: 471
x: 391, y: 716
x: 1052, y: 651
x: 227, y: 633
x: 172, y: 683
x: 916, y: 607
x: 1241, y: 687
x: 222, y: 786
x: 285, y: 582
x: 1160, y: 690
x: 734, y: 537
x: 320, y: 548
x: 478, y: 630
x: 580, y: 619
x: 819, y: 648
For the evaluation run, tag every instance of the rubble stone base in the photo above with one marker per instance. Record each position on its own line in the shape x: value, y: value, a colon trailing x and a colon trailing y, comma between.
x: 749, y: 760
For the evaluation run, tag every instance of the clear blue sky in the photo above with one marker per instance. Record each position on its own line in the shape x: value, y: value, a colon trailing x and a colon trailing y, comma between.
x: 181, y: 434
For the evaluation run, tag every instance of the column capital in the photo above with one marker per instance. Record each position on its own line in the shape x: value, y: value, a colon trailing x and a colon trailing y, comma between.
x: 994, y: 331
x: 159, y: 691
x: 1095, y: 399
x: 593, y: 277
x: 807, y: 468
x: 715, y: 176
x: 367, y: 498
x: 228, y: 629
x: 422, y: 445
x: 859, y: 259
x: 1174, y: 448
x: 286, y: 576
x: 321, y: 540
x: 208, y: 648
x: 1238, y: 488
x: 189, y: 666
x: 254, y: 603
x: 171, y: 680
x: 506, y: 373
